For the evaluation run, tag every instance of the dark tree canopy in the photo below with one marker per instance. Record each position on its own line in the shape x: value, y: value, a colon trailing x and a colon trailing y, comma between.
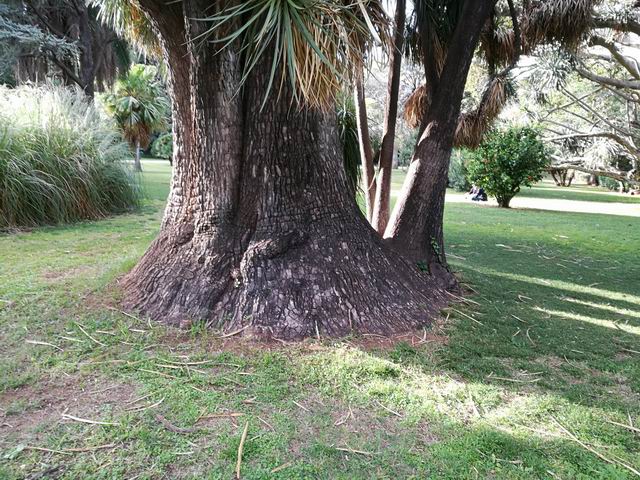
x: 62, y: 40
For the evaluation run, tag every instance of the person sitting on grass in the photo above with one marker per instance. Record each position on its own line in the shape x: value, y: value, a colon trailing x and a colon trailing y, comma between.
x: 477, y: 194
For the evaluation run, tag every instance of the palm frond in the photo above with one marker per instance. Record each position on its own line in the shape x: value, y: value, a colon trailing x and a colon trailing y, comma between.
x: 473, y: 125
x: 129, y: 20
x: 314, y: 45
x: 416, y: 106
x: 563, y: 21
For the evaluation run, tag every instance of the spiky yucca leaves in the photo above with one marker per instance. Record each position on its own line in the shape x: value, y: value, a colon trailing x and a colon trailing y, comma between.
x: 415, y: 106
x: 127, y: 18
x: 315, y: 45
x: 60, y: 160
x: 348, y: 131
x: 138, y: 104
x: 431, y: 26
x: 474, y: 124
x: 563, y: 21
x: 497, y: 42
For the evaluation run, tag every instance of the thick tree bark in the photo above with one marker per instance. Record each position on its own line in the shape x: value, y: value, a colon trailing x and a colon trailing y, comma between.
x: 416, y: 225
x: 366, y: 151
x: 265, y: 235
x: 380, y: 217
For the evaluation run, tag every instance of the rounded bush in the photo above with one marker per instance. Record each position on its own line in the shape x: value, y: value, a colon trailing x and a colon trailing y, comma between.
x: 508, y: 160
x: 162, y: 147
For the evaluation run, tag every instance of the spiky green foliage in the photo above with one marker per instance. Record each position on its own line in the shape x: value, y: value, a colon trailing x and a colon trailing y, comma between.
x: 139, y: 104
x: 348, y: 130
x: 430, y: 28
x: 129, y: 20
x: 314, y: 45
x: 60, y: 161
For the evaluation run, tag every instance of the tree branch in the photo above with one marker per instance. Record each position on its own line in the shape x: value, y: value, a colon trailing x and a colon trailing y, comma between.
x: 626, y: 62
x: 626, y: 26
x: 612, y: 82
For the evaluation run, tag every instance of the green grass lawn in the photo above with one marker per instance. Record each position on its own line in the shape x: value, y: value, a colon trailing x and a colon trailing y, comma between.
x: 536, y: 375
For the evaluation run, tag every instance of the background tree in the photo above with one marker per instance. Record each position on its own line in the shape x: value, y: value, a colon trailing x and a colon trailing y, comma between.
x: 506, y: 161
x: 444, y: 35
x: 139, y: 106
x: 380, y: 216
x: 63, y: 39
x: 587, y: 99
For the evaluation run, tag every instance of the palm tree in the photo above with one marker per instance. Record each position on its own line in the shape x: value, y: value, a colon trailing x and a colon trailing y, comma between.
x: 139, y: 106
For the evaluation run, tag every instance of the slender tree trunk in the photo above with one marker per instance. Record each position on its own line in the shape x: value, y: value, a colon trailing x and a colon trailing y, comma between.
x: 138, y: 164
x: 416, y: 225
x: 380, y: 216
x: 85, y: 41
x: 266, y: 236
x: 366, y: 151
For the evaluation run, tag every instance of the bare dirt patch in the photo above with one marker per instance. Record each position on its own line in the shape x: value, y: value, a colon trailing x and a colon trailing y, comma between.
x: 27, y: 411
x: 55, y: 276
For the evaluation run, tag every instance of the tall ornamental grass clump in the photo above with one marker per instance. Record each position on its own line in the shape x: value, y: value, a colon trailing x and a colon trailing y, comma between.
x: 60, y: 160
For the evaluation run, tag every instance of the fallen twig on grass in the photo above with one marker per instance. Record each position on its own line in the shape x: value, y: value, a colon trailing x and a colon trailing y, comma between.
x: 231, y: 334
x: 89, y: 336
x: 359, y: 452
x: 85, y: 420
x: 47, y: 344
x: 343, y: 419
x: 624, y: 425
x: 397, y: 414
x: 125, y: 314
x: 518, y: 318
x: 630, y: 351
x: 89, y: 449
x: 71, y: 339
x: 48, y: 450
x: 529, y: 337
x: 462, y: 299
x: 267, y: 424
x: 221, y: 415
x: 301, y: 406
x: 240, y: 449
x: 171, y: 427
x: 513, y: 380
x: 158, y: 373
x: 468, y: 316
x: 282, y: 467
x: 145, y: 407
x: 594, y: 451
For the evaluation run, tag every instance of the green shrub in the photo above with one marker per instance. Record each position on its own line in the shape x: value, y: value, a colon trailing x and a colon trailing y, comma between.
x: 406, y: 149
x: 60, y: 161
x: 458, y: 172
x: 506, y: 161
x: 162, y: 147
x: 609, y: 183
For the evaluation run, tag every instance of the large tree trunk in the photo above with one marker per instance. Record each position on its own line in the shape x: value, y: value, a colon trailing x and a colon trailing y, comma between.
x: 265, y: 235
x: 416, y: 225
x: 380, y: 216
x: 366, y: 151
